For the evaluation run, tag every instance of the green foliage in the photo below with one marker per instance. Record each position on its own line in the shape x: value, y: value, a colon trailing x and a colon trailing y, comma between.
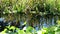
x: 40, y: 7
x: 15, y: 6
x: 31, y: 30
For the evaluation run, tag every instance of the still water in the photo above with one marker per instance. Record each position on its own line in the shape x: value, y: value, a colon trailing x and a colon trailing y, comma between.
x: 37, y: 23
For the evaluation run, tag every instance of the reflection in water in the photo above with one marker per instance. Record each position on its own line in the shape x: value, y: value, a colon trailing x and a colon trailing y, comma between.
x: 1, y: 19
x: 53, y: 21
x: 46, y: 22
x: 37, y: 22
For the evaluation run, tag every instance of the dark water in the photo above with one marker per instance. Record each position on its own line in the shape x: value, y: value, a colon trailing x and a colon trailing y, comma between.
x: 37, y: 23
x: 43, y: 22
